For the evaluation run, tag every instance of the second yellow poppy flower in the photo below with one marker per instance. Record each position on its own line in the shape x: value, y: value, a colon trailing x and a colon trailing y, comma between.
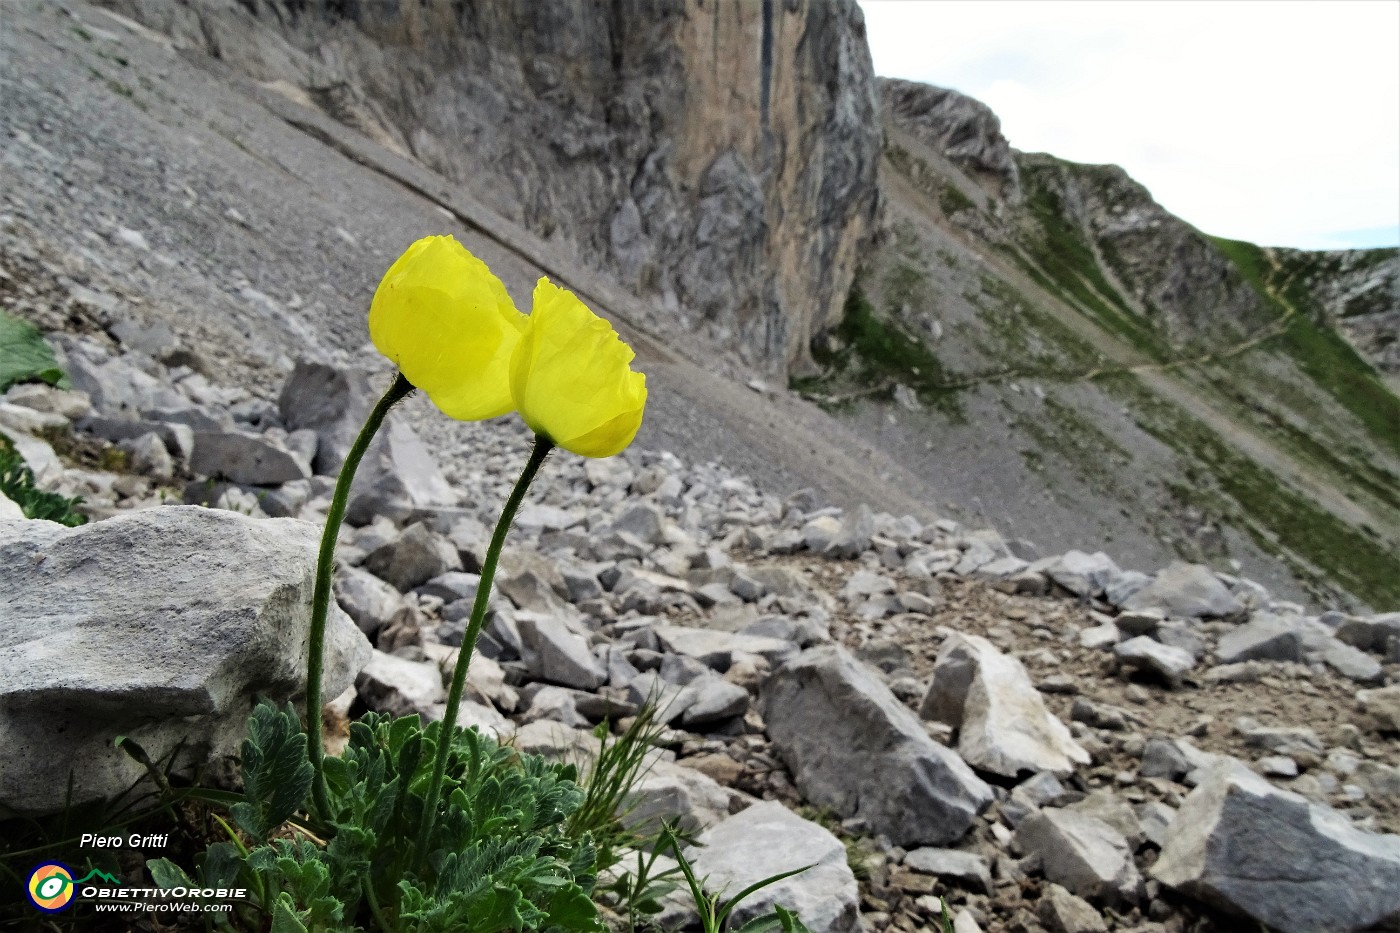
x: 572, y: 379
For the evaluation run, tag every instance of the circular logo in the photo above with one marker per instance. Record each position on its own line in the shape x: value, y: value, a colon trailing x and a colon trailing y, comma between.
x: 50, y: 887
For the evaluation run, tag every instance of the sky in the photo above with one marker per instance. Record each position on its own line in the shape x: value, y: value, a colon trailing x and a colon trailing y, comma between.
x: 1273, y: 121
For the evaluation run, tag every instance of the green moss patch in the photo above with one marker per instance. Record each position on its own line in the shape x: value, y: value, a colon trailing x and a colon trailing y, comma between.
x: 1275, y: 515
x: 870, y: 351
x: 1065, y: 264
x: 1317, y: 348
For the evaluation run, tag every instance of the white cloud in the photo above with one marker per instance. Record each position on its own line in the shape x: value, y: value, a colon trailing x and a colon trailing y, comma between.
x: 1274, y: 122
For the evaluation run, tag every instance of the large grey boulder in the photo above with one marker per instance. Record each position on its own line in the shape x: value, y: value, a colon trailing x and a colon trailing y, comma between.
x: 1371, y: 633
x: 1246, y: 846
x: 1350, y: 662
x: 115, y: 386
x: 367, y: 599
x: 558, y: 655
x: 1003, y: 725
x: 852, y: 746
x: 1080, y: 573
x: 767, y: 839
x: 669, y: 791
x: 163, y: 625
x: 1265, y: 637
x: 331, y: 401
x: 1163, y: 661
x: 715, y: 700
x: 244, y: 457
x: 1083, y: 853
x: 1190, y: 590
x: 844, y: 537
x: 400, y: 687
x: 413, y: 558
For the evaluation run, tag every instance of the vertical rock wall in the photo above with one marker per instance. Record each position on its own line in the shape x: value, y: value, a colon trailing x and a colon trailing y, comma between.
x: 717, y: 158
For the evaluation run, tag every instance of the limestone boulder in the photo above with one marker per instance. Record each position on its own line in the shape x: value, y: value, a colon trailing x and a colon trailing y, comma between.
x: 1242, y: 844
x: 767, y: 839
x: 398, y: 477
x: 836, y: 724
x: 1164, y: 662
x: 1189, y: 590
x: 163, y: 625
x: 671, y: 792
x: 558, y: 655
x: 1003, y: 725
x: 1083, y: 853
x: 245, y: 457
x: 413, y: 558
x: 1265, y: 637
x: 332, y: 401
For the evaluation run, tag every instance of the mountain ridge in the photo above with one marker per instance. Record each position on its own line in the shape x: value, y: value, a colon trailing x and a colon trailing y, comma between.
x: 1077, y: 355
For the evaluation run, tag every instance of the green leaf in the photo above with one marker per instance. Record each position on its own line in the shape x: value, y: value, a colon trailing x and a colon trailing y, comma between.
x: 168, y: 875
x: 17, y: 482
x: 222, y: 864
x: 24, y: 356
x: 758, y: 886
x: 780, y: 920
x: 573, y: 909
x: 791, y: 923
x: 284, y: 916
x: 276, y: 772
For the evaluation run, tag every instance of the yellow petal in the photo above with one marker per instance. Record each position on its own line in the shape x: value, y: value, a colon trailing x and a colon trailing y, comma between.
x: 572, y: 379
x: 450, y: 326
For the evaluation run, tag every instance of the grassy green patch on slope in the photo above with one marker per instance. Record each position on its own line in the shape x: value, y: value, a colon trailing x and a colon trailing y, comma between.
x: 1268, y: 406
x: 1318, y: 349
x: 872, y: 351
x: 1274, y: 514
x: 1029, y: 339
x: 1071, y: 270
x: 1334, y: 365
x: 1254, y: 265
x: 952, y: 200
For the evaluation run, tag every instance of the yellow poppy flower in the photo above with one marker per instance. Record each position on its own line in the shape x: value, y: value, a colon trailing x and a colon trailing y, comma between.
x: 572, y: 379
x: 450, y: 326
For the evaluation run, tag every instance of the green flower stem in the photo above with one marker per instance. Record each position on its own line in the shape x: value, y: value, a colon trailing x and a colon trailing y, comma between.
x: 321, y: 598
x: 543, y: 446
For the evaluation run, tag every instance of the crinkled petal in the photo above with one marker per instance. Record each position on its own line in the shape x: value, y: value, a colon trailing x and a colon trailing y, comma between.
x: 571, y: 377
x: 450, y: 326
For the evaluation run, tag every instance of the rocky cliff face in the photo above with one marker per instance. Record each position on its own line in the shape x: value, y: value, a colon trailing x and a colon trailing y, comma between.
x: 963, y: 130
x: 1148, y: 263
x: 1095, y: 230
x: 1068, y: 219
x: 717, y: 159
x: 1061, y: 348
x: 1357, y: 291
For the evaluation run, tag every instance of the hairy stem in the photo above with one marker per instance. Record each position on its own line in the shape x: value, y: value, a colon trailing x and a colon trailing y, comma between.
x: 464, y: 656
x: 321, y: 598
